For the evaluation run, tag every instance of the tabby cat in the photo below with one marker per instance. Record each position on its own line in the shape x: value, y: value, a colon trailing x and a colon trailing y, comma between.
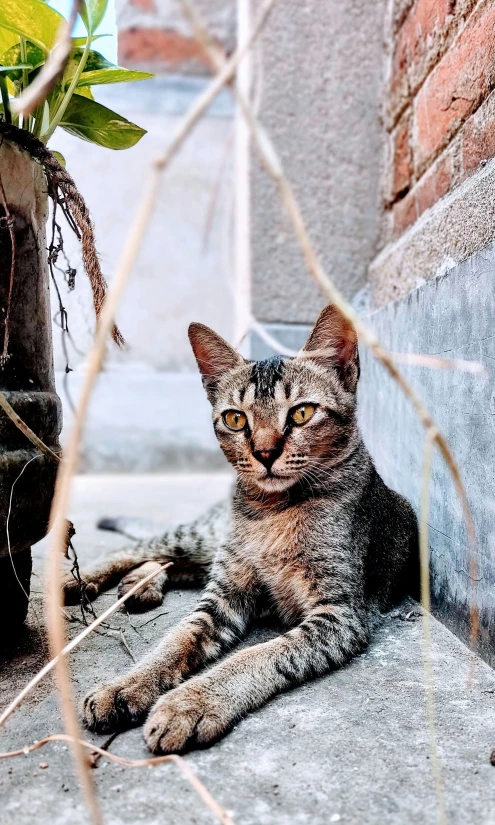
x: 312, y: 536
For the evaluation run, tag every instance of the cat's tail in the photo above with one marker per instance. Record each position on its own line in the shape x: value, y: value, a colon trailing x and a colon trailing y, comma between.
x: 132, y: 527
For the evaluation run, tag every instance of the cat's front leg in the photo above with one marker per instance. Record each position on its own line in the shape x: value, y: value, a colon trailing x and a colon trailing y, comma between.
x: 207, y: 706
x: 218, y: 622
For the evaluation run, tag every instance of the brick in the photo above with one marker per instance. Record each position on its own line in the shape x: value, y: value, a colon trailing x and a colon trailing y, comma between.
x: 420, y: 41
x: 144, y: 5
x: 404, y: 214
x: 160, y: 48
x: 464, y: 76
x: 400, y: 8
x: 434, y: 184
x: 478, y: 136
x: 401, y: 159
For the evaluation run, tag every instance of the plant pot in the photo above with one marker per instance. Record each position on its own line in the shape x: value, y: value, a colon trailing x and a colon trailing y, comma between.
x: 27, y: 477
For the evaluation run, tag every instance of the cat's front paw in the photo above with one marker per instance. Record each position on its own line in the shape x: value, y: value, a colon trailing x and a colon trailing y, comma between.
x: 122, y: 704
x: 151, y: 594
x: 187, y: 716
x: 74, y: 591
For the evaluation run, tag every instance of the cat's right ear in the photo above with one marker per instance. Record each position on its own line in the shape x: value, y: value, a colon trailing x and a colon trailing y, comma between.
x: 214, y: 356
x: 334, y: 344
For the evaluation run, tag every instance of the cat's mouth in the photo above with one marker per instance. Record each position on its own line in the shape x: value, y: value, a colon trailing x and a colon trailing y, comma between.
x: 275, y: 482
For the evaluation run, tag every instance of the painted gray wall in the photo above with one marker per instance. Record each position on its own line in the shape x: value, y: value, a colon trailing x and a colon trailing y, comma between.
x: 321, y: 71
x: 451, y: 316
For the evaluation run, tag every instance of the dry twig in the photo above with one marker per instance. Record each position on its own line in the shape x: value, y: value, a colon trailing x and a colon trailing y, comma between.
x: 273, y: 166
x: 424, y: 549
x: 272, y: 163
x: 69, y: 465
x: 74, y: 643
x: 23, y: 427
x: 193, y: 780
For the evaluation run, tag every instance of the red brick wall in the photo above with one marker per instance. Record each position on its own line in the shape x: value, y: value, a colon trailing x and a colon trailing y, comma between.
x: 440, y: 103
x: 155, y: 36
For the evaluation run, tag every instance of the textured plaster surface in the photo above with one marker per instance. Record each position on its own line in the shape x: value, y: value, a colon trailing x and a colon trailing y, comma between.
x: 457, y: 226
x: 321, y: 72
x: 451, y: 316
x: 352, y: 747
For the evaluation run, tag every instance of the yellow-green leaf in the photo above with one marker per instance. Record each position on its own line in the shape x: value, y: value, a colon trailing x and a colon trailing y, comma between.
x: 111, y: 75
x: 7, y: 39
x: 81, y: 41
x: 99, y: 70
x: 92, y: 13
x: 93, y: 122
x: 32, y: 19
x: 84, y: 91
x: 13, y: 58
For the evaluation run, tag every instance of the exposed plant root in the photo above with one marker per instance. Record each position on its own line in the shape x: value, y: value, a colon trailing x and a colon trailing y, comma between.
x: 65, y: 193
x: 9, y: 222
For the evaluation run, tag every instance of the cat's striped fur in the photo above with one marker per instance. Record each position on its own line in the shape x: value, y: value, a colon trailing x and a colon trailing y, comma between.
x: 312, y: 536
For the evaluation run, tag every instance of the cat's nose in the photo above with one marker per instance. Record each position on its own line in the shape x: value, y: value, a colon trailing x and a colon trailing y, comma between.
x: 267, y: 457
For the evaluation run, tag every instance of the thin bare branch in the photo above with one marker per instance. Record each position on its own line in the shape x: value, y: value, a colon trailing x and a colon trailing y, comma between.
x: 437, y: 362
x: 204, y: 794
x: 75, y: 642
x: 69, y: 465
x: 424, y: 550
x: 273, y: 165
x: 412, y: 358
x: 23, y: 427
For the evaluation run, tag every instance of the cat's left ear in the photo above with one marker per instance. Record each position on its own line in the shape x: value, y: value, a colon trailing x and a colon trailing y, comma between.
x: 214, y: 356
x: 333, y: 343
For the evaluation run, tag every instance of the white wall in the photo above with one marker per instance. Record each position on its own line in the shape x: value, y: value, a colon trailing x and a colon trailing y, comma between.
x: 144, y: 416
x: 177, y: 279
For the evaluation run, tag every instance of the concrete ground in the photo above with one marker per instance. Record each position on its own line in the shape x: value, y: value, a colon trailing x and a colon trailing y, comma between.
x: 352, y: 747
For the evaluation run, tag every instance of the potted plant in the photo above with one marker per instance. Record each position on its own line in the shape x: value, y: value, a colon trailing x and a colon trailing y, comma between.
x: 29, y: 174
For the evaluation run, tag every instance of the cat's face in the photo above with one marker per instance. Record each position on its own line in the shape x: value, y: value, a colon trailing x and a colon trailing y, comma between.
x: 284, y: 419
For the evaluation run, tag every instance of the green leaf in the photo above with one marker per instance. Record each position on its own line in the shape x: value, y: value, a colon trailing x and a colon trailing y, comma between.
x: 81, y: 41
x: 99, y: 70
x: 12, y: 58
x: 84, y: 91
x: 60, y: 158
x: 92, y: 121
x: 111, y: 75
x: 92, y: 13
x: 31, y: 19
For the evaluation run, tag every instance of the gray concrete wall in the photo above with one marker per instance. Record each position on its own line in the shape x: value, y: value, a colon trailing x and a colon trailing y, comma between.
x: 451, y: 316
x: 321, y: 73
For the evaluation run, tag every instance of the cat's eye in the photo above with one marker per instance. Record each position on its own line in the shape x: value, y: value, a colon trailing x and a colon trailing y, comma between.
x: 302, y: 413
x: 234, y: 419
